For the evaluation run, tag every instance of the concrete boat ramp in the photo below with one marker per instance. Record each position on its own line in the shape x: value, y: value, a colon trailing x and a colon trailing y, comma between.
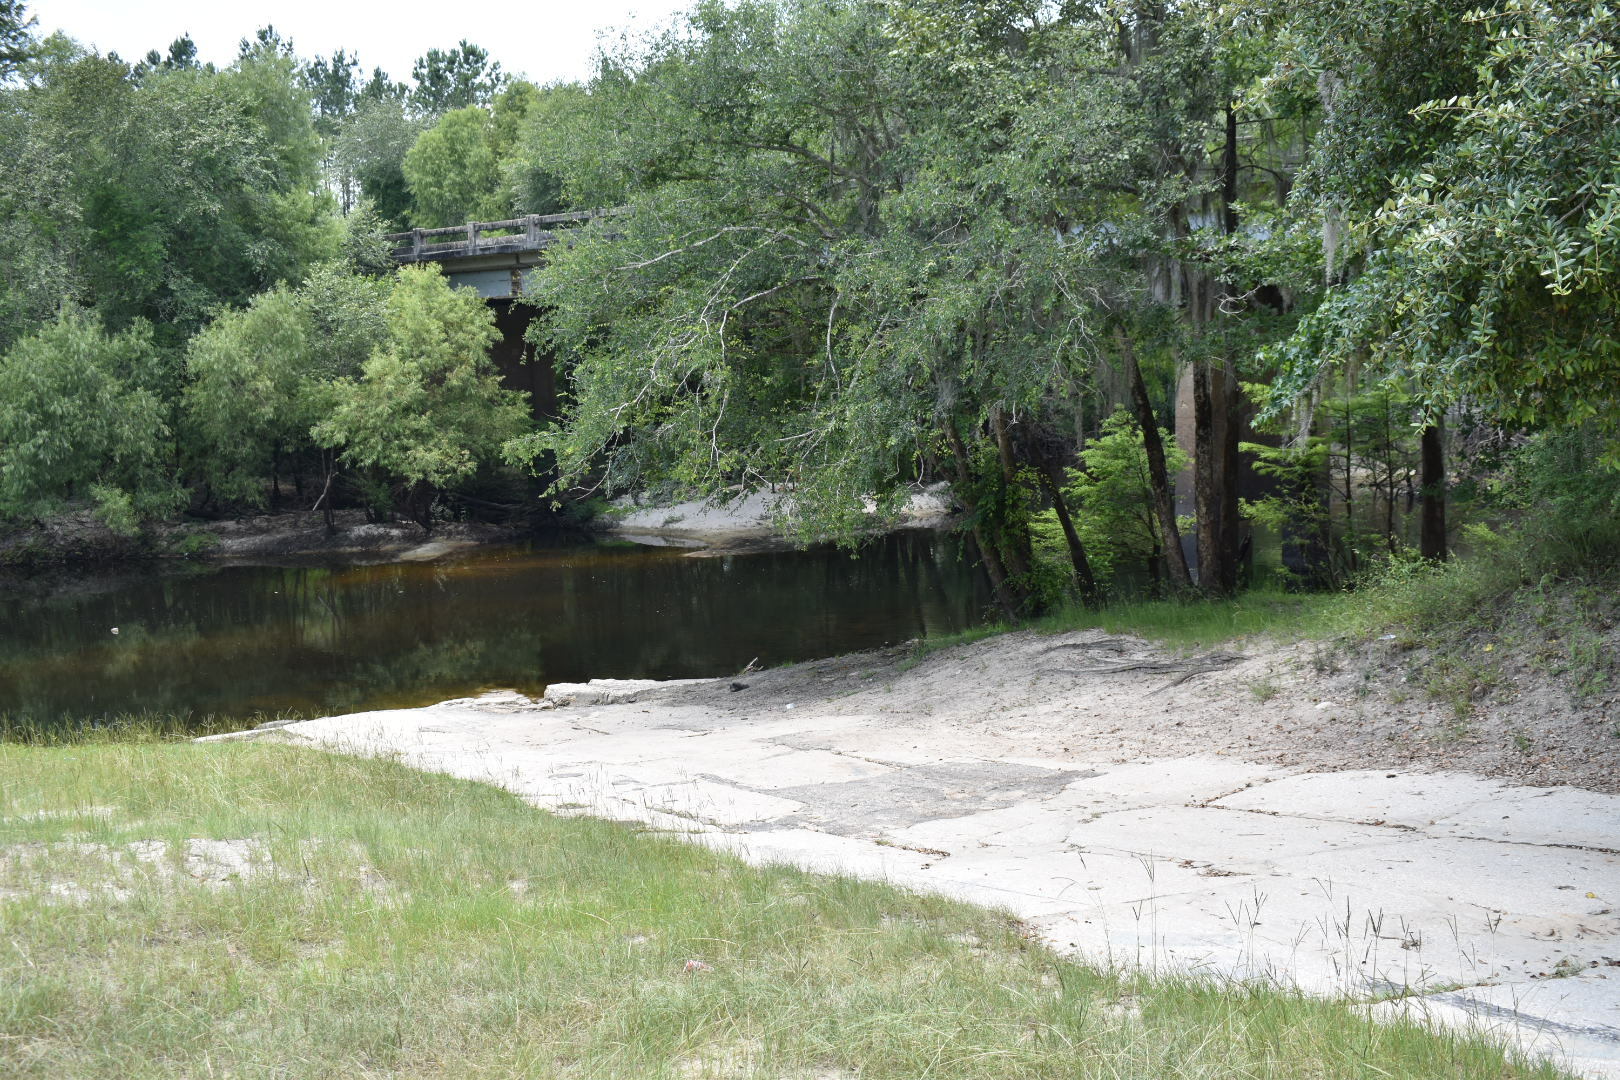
x: 1446, y: 894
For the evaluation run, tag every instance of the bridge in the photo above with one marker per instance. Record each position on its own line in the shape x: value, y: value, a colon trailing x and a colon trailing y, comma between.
x: 493, y: 257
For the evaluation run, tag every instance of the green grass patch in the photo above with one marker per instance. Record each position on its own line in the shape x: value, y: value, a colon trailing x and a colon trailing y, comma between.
x: 379, y: 921
x: 129, y: 727
x: 1178, y: 623
x: 1200, y: 623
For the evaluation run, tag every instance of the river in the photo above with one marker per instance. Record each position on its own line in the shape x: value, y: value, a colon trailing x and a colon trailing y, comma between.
x: 240, y: 641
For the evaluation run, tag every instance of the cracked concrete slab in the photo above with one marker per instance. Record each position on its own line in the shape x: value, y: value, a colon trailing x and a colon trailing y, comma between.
x: 1573, y: 1019
x: 1462, y: 895
x: 906, y: 796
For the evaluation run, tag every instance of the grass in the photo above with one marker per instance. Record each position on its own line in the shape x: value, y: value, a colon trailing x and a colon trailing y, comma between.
x: 402, y: 924
x: 136, y: 727
x: 1184, y: 624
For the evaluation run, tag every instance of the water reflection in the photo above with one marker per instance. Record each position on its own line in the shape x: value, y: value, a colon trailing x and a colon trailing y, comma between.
x: 236, y: 640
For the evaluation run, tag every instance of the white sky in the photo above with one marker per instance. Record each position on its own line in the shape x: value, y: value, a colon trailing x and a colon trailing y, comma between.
x: 542, y: 39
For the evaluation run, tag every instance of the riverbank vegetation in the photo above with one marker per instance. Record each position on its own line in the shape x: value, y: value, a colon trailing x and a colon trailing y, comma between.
x: 258, y: 909
x: 1181, y: 299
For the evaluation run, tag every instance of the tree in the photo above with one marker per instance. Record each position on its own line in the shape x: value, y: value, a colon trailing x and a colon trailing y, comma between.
x: 79, y: 420
x: 452, y: 171
x: 16, y: 43
x: 427, y: 408
x: 182, y: 54
x: 535, y: 186
x: 1492, y: 271
x: 452, y: 79
x: 1114, y: 493
x: 372, y: 149
x: 841, y: 265
x: 259, y: 379
x: 157, y: 198
x: 247, y: 400
x: 381, y: 88
x: 333, y: 89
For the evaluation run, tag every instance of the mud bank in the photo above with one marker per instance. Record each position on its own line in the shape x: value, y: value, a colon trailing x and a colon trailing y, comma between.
x: 81, y: 540
x: 305, y: 534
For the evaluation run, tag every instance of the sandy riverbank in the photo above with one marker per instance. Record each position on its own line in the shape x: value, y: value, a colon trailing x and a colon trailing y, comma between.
x: 749, y: 521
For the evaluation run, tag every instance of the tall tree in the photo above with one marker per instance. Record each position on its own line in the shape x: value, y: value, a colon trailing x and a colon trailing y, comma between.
x: 372, y: 149
x: 427, y: 408
x: 162, y: 197
x: 16, y: 43
x: 840, y: 266
x: 448, y: 79
x: 454, y: 169
x: 81, y: 418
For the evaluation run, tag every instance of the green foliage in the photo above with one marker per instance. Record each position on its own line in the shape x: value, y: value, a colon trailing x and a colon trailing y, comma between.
x: 451, y: 171
x: 829, y: 259
x: 455, y: 169
x: 1114, y: 499
x: 15, y: 41
x: 247, y: 397
x: 259, y: 378
x: 78, y: 420
x: 372, y: 148
x: 1568, y: 507
x: 450, y: 79
x: 364, y: 246
x: 158, y: 197
x: 1298, y: 471
x: 426, y: 407
x: 525, y: 168
x: 1492, y: 270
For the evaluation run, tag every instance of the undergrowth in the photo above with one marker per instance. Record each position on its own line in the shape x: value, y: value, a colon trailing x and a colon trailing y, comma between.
x: 1541, y: 589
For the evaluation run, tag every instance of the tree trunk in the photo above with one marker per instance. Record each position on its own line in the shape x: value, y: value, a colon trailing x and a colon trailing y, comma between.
x: 329, y: 464
x: 1231, y: 524
x: 1226, y: 408
x: 1051, y: 475
x: 1164, y: 507
x: 1432, y: 541
x: 1206, y: 487
x: 1006, y: 596
x: 1016, y: 551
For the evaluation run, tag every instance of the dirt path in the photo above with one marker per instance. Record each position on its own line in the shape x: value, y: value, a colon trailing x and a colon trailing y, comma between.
x: 1241, y: 816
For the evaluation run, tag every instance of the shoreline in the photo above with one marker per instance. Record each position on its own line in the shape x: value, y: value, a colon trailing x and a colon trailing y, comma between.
x: 77, y: 541
x: 748, y: 522
x: 1126, y: 811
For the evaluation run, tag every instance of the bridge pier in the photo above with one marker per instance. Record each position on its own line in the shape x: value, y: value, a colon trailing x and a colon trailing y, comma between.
x: 522, y: 366
x: 495, y: 258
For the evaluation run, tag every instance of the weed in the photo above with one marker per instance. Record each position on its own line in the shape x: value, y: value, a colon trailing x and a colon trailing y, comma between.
x: 1456, y: 731
x: 1199, y: 623
x: 1263, y: 689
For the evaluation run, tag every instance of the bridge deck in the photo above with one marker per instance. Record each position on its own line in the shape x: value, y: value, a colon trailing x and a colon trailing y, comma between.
x: 514, y: 236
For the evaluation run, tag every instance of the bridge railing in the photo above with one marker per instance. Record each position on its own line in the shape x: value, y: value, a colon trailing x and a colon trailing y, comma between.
x: 527, y: 233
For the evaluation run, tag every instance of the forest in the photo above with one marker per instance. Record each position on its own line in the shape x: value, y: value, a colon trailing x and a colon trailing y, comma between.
x: 1176, y: 296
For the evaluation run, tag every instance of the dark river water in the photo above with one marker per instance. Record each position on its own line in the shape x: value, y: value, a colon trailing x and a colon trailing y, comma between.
x: 242, y: 640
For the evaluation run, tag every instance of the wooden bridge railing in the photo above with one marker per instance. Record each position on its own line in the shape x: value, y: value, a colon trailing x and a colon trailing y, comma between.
x: 484, y: 237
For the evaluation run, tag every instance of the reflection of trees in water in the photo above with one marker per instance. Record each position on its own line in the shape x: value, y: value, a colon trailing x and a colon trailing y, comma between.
x: 244, y: 639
